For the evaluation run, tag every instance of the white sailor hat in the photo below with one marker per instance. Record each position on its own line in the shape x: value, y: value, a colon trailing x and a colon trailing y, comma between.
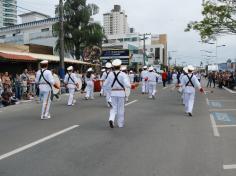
x: 44, y: 62
x: 108, y: 65
x: 123, y: 68
x: 90, y: 70
x: 144, y: 67
x: 102, y: 70
x: 70, y: 68
x: 150, y: 68
x: 116, y: 62
x: 131, y: 71
x: 190, y: 68
x: 185, y: 69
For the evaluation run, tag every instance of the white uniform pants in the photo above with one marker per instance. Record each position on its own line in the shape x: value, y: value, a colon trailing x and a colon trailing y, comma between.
x: 189, y: 101
x: 144, y: 86
x: 118, y: 110
x: 46, y: 95
x: 152, y: 89
x: 71, y: 96
x: 89, y: 91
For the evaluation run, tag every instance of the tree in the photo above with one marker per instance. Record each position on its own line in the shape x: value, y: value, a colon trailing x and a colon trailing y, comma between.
x: 219, y: 18
x: 78, y: 30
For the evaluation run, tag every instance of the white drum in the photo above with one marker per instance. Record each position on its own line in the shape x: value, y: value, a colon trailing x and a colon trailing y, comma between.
x: 58, y: 82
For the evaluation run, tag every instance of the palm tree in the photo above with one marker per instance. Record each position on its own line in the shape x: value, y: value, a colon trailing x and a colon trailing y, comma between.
x: 79, y: 31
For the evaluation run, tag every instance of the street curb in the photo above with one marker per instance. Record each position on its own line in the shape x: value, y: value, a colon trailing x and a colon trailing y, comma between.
x: 227, y: 89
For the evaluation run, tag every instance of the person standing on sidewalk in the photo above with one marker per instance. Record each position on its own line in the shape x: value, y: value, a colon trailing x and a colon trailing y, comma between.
x: 45, y: 80
x: 164, y: 78
x: 118, y: 81
x: 190, y: 82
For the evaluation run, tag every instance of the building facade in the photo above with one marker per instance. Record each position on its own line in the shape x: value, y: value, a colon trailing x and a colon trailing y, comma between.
x: 8, y: 12
x: 115, y: 22
x: 33, y: 31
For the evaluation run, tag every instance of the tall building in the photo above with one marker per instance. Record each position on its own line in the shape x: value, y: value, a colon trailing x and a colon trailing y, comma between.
x: 8, y: 12
x: 115, y: 22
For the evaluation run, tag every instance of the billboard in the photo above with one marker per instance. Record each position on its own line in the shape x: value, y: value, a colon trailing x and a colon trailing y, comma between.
x: 109, y: 55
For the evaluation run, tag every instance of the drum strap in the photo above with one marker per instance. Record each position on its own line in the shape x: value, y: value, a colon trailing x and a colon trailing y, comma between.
x: 69, y: 78
x: 107, y: 74
x: 117, y: 80
x: 42, y: 76
x: 189, y: 80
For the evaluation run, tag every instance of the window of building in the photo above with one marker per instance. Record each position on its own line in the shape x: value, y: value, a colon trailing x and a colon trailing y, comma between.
x: 45, y: 30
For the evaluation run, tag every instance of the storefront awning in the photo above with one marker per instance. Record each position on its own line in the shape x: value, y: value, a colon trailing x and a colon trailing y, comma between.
x: 15, y: 57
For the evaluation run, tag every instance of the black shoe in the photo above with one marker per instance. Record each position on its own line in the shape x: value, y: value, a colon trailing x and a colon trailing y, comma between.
x: 190, y: 114
x: 111, y: 123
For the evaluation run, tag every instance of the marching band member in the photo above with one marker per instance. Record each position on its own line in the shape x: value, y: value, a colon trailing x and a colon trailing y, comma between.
x: 101, y: 82
x: 152, y: 82
x: 71, y: 82
x: 107, y: 90
x: 123, y: 68
x: 190, y: 82
x: 118, y: 82
x: 89, y: 78
x: 131, y: 76
x: 45, y: 80
x: 144, y: 80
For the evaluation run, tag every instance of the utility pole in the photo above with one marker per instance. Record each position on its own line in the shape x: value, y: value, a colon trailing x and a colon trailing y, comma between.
x: 144, y: 46
x: 61, y: 39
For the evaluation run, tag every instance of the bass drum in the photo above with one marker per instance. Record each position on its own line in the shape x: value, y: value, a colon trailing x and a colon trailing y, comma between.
x: 80, y: 84
x: 58, y: 82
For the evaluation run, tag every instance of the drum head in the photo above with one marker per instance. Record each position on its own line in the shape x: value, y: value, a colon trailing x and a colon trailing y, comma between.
x: 80, y: 84
x: 58, y: 82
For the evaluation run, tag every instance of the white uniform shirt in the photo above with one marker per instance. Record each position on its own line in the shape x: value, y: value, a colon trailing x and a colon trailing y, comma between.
x: 152, y: 77
x: 43, y: 85
x: 131, y: 77
x: 198, y: 75
x: 144, y: 74
x: 69, y: 82
x: 105, y: 75
x: 117, y: 89
x: 189, y: 88
x: 89, y: 81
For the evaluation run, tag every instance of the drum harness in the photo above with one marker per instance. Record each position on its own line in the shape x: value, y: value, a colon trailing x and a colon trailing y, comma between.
x: 69, y: 78
x: 42, y: 76
x: 117, y: 80
x: 189, y: 80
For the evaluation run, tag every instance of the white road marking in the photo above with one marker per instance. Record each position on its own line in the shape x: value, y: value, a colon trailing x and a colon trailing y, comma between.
x: 164, y: 88
x: 223, y: 126
x: 127, y: 104
x: 224, y: 100
x: 207, y: 101
x: 18, y: 150
x: 231, y: 91
x: 214, y: 127
x: 221, y: 110
x: 227, y: 167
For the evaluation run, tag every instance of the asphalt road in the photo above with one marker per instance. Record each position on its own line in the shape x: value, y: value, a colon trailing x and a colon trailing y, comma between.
x: 158, y: 138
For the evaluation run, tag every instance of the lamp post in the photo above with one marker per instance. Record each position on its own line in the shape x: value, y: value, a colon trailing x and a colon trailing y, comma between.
x: 169, y: 57
x: 144, y: 46
x: 61, y: 39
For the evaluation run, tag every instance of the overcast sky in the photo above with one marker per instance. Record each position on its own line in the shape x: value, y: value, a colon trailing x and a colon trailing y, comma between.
x: 157, y: 17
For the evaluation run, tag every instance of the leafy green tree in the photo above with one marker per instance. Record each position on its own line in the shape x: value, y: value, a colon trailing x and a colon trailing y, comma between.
x: 219, y: 18
x: 78, y: 30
